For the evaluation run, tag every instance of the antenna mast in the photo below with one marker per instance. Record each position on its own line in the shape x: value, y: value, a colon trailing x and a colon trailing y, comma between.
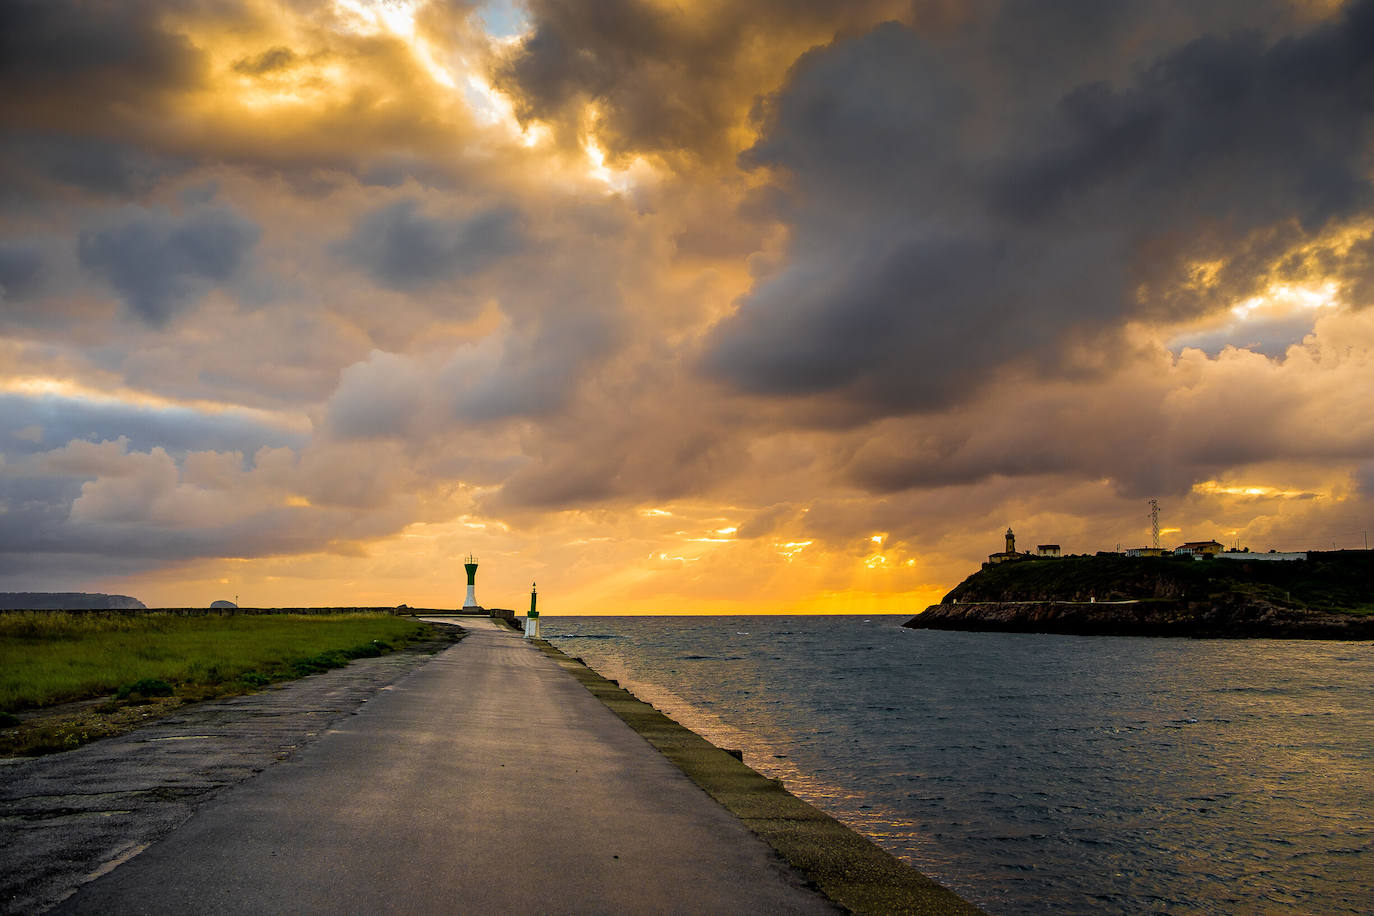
x: 1154, y: 523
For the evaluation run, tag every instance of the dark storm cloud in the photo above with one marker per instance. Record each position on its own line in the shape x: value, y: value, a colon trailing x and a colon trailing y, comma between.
x: 406, y: 250
x: 62, y: 61
x: 668, y: 80
x: 933, y: 245
x: 161, y: 264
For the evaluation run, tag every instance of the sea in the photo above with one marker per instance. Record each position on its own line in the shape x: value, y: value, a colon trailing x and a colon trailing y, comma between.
x: 1039, y: 773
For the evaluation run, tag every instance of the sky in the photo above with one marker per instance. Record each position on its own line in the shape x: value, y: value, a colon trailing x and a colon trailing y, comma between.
x: 706, y: 306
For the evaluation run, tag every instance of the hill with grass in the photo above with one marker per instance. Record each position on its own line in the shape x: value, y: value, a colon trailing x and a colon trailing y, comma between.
x: 1330, y: 595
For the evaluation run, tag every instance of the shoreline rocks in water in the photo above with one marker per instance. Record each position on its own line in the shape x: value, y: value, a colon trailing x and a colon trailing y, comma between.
x: 1231, y: 618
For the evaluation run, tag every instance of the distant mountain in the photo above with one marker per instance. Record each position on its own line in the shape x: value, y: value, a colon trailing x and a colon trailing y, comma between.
x: 67, y: 601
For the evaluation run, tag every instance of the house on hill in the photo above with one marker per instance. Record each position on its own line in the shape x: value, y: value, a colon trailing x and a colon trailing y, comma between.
x: 1199, y: 549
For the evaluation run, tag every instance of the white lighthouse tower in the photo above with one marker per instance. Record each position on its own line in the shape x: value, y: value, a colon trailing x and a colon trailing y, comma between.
x: 470, y: 602
x: 532, y: 621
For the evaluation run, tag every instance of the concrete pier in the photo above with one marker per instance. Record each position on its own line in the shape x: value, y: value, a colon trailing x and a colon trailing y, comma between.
x: 486, y: 781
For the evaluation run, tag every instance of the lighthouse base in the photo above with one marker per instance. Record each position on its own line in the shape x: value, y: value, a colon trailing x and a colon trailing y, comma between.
x: 470, y: 602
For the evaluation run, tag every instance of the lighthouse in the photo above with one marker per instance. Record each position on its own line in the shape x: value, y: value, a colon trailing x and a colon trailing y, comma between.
x: 532, y: 621
x: 470, y: 602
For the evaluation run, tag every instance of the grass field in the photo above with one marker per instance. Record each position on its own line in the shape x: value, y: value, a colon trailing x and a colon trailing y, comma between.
x: 49, y: 657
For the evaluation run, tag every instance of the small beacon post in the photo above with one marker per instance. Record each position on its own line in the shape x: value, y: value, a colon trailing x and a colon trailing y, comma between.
x: 532, y: 621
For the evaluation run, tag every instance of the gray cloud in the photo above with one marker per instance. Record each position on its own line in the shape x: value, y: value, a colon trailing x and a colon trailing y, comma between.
x: 277, y: 58
x: 924, y: 258
x: 406, y: 250
x: 21, y: 269
x: 160, y: 264
x: 177, y: 429
x: 95, y: 164
x: 64, y: 60
x: 667, y: 81
x: 535, y: 374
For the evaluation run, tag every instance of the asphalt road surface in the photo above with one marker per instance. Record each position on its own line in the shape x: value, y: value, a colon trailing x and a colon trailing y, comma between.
x: 487, y: 781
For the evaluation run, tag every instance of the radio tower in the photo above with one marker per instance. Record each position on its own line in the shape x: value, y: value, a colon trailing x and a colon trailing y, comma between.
x: 1154, y: 523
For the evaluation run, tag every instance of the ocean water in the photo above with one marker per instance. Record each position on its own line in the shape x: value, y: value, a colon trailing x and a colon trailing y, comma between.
x: 1038, y: 773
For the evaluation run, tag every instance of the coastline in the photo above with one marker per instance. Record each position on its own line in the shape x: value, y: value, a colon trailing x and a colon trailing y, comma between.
x: 845, y: 866
x: 1226, y: 619
x: 144, y: 774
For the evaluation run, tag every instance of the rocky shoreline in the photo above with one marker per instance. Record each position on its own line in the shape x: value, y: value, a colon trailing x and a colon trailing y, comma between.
x: 1231, y: 617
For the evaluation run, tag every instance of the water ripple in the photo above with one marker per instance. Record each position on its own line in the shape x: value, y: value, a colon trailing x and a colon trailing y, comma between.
x: 1037, y: 773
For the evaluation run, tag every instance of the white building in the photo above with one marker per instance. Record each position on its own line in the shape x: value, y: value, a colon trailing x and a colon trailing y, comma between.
x: 1271, y: 556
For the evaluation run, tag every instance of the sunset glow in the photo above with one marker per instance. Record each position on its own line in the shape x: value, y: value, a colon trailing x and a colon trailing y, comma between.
x: 694, y: 308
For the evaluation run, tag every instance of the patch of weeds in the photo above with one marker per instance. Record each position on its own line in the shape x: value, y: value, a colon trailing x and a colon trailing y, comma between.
x: 314, y: 664
x: 49, y: 740
x: 254, y: 679
x: 144, y: 689
x: 9, y: 720
x: 369, y: 649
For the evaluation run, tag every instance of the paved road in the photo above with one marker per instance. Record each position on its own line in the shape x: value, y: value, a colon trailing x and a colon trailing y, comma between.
x: 66, y: 818
x: 487, y: 781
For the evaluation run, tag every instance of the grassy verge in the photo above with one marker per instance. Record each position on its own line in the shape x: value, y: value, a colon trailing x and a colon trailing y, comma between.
x: 131, y: 668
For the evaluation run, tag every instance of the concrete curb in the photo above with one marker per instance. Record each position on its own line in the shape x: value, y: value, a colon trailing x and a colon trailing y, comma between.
x: 850, y: 869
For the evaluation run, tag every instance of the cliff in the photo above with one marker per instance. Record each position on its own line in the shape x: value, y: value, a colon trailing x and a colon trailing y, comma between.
x: 66, y: 601
x: 1328, y: 596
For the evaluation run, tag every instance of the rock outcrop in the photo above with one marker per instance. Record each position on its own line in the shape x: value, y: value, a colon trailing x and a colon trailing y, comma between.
x: 1328, y: 596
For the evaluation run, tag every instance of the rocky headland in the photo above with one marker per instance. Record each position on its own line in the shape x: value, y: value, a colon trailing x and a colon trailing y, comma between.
x: 1330, y: 595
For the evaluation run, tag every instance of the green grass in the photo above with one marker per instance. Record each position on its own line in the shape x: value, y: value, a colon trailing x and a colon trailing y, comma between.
x: 50, y: 657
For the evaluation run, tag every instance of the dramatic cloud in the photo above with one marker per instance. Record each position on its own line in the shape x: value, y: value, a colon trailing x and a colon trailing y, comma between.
x: 403, y: 249
x: 160, y: 265
x: 63, y: 61
x: 921, y: 264
x: 721, y: 306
